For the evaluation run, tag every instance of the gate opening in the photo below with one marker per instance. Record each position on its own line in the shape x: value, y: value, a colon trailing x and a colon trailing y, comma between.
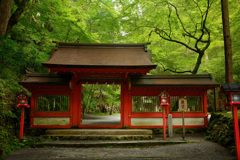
x: 101, y: 104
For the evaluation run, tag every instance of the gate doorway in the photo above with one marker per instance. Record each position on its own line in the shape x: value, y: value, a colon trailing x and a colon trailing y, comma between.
x: 101, y: 104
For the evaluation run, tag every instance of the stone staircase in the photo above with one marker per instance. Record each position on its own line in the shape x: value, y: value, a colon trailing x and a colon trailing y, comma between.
x: 100, y: 134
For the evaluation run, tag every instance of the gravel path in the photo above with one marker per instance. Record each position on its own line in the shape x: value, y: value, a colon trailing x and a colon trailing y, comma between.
x: 90, y: 119
x: 204, y: 150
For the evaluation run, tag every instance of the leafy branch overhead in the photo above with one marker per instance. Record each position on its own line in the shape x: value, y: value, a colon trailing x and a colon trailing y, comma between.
x: 196, y: 36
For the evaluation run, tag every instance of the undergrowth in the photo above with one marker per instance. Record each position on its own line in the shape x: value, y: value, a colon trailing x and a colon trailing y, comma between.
x: 220, y: 129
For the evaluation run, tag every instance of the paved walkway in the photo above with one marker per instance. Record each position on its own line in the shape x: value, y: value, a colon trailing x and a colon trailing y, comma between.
x: 196, y: 148
x: 90, y: 119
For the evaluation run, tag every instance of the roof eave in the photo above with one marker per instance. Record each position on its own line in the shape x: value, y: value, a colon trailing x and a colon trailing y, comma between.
x: 47, y: 65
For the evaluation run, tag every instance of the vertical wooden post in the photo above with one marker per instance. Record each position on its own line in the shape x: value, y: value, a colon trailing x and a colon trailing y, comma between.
x: 205, y: 109
x: 164, y: 123
x: 76, y: 102
x: 126, y: 105
x: 183, y: 123
x: 22, y: 123
x: 216, y: 103
x: 33, y: 108
x: 236, y: 131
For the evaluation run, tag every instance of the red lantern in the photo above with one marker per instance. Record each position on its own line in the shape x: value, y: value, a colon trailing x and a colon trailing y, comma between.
x: 164, y: 103
x: 164, y: 100
x: 23, y: 100
x: 23, y: 103
x: 232, y: 92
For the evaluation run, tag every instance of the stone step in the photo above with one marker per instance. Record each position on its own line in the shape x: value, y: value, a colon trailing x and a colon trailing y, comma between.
x: 100, y: 137
x: 100, y: 134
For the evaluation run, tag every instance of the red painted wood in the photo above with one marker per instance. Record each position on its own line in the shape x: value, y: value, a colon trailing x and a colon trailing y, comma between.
x: 146, y: 115
x: 154, y: 126
x: 188, y: 114
x: 164, y: 126
x: 129, y: 103
x: 236, y: 131
x: 32, y: 107
x: 51, y: 126
x: 174, y: 126
x: 59, y: 91
x: 22, y: 123
x: 122, y: 105
x: 146, y: 93
x: 75, y: 112
x: 159, y: 114
x: 53, y: 92
x: 205, y: 109
x: 51, y: 114
x: 125, y: 105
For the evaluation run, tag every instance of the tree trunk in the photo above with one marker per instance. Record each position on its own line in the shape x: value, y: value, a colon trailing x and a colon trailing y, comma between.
x: 227, y: 42
x: 5, y: 10
x: 199, y: 61
x: 89, y: 99
x: 14, y: 19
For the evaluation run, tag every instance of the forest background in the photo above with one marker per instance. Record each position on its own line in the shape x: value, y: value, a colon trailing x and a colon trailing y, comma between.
x: 180, y: 31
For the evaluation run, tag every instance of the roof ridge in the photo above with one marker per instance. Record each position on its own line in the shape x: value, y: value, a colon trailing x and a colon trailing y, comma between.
x: 65, y: 44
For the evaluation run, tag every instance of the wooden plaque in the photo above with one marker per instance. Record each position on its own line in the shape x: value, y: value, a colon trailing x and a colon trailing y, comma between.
x: 182, y: 104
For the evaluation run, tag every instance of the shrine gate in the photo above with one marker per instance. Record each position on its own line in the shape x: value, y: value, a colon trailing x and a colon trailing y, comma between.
x: 75, y: 65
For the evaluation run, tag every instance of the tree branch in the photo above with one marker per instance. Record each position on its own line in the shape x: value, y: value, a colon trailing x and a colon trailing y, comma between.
x: 174, y: 71
x: 202, y: 38
x: 160, y: 33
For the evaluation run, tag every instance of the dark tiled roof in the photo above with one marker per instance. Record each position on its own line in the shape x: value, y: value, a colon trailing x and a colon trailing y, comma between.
x: 80, y: 55
x: 173, y: 81
x: 47, y: 79
x: 229, y: 87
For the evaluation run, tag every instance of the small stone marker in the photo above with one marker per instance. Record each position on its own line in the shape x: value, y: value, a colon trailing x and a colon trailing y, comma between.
x: 170, y: 127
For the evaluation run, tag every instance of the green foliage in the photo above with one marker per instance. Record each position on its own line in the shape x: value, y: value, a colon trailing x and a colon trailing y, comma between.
x: 101, y: 98
x: 220, y: 130
x: 16, y: 144
x: 121, y: 21
x: 9, y: 115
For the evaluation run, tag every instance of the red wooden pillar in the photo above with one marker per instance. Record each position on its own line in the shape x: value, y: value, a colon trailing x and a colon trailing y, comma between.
x: 22, y: 122
x: 236, y: 131
x: 32, y: 108
x: 125, y: 103
x: 75, y: 111
x: 164, y: 123
x: 205, y: 105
